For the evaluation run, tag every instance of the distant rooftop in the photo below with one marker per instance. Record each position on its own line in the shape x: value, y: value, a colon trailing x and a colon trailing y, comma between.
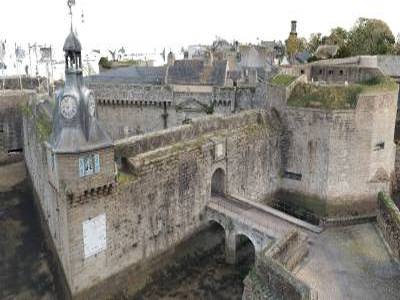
x: 133, y: 74
x: 185, y: 72
x: 197, y: 72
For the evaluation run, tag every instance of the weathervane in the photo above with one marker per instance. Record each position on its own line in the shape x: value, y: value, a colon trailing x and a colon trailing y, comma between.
x: 70, y: 3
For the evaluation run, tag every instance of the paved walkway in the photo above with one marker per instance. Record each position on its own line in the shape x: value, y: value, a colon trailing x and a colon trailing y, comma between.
x: 351, y: 263
x: 253, y: 217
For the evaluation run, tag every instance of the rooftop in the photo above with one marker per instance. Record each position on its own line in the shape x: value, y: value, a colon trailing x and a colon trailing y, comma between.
x: 133, y: 74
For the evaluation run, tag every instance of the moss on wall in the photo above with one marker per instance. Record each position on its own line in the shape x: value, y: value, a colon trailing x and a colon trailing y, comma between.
x: 43, y: 127
x: 390, y: 207
x: 337, y: 97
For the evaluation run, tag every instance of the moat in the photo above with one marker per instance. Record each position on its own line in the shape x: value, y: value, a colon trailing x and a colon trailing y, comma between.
x: 200, y: 271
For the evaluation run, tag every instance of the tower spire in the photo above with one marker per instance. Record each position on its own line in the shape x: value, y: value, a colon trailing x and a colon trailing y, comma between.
x: 70, y: 3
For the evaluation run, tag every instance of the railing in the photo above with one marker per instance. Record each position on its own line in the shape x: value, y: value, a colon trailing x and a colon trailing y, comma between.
x: 297, y: 212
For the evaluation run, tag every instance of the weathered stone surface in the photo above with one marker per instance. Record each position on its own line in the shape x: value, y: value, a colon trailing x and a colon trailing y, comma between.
x: 271, y: 278
x: 11, y: 136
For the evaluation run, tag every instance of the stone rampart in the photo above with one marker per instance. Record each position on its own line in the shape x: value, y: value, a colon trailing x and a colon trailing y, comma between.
x: 128, y: 109
x: 28, y: 83
x: 342, y: 73
x: 160, y: 198
x: 322, y: 148
x: 51, y: 207
x: 389, y: 222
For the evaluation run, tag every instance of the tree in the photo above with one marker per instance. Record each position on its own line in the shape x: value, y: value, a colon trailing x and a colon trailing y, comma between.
x: 339, y: 36
x: 397, y: 46
x: 314, y: 42
x: 370, y: 37
x: 295, y: 45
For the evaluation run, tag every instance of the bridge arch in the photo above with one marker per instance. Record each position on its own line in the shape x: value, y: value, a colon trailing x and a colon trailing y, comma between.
x: 245, y: 253
x: 218, y: 182
x: 241, y: 234
x: 216, y: 222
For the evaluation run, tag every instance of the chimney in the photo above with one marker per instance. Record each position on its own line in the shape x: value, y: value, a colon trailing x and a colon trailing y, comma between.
x: 293, y: 31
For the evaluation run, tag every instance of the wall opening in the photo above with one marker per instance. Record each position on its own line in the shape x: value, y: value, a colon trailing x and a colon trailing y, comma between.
x: 379, y: 146
x: 245, y: 255
x: 218, y: 183
x: 292, y: 175
x: 15, y: 151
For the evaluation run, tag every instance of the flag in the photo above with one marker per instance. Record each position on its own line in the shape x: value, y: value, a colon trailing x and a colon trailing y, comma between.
x: 71, y: 3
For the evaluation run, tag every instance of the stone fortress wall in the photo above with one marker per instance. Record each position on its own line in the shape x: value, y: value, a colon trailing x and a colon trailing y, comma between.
x: 51, y: 206
x: 160, y: 198
x: 341, y: 157
x: 323, y: 149
x: 127, y: 109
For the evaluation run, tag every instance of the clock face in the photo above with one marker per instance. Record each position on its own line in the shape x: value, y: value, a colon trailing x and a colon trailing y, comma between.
x: 68, y: 107
x: 91, y: 105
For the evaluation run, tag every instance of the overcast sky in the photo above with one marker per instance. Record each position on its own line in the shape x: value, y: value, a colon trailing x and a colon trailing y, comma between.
x: 149, y: 24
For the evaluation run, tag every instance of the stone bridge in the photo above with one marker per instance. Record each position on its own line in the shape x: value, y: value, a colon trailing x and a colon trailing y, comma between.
x: 239, y: 218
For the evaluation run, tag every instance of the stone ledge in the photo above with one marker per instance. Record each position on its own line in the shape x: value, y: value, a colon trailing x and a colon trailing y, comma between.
x: 345, y: 221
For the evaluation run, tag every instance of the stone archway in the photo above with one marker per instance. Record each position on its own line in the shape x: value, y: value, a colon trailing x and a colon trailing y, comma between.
x: 245, y: 250
x: 218, y: 183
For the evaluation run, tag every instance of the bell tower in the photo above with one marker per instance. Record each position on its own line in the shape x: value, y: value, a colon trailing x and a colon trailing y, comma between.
x: 81, y: 154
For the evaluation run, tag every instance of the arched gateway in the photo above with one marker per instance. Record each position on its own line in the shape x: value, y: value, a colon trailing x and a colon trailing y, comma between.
x: 218, y: 183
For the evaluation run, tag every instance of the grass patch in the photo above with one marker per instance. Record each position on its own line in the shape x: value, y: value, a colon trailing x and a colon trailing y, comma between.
x: 124, y: 178
x: 337, y: 97
x: 390, y: 206
x: 283, y: 79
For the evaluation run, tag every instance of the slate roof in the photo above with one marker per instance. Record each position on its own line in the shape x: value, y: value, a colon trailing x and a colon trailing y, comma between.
x: 185, y: 72
x: 72, y: 43
x: 255, y: 56
x: 134, y: 74
x: 196, y: 72
x: 303, y: 56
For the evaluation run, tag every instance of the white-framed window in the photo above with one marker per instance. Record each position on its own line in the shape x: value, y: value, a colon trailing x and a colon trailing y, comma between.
x: 89, y: 165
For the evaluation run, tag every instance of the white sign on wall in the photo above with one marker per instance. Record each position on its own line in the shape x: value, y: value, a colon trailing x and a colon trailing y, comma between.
x: 94, y: 235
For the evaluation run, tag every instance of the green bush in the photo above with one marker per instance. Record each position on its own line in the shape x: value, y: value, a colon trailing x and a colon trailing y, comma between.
x: 105, y: 63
